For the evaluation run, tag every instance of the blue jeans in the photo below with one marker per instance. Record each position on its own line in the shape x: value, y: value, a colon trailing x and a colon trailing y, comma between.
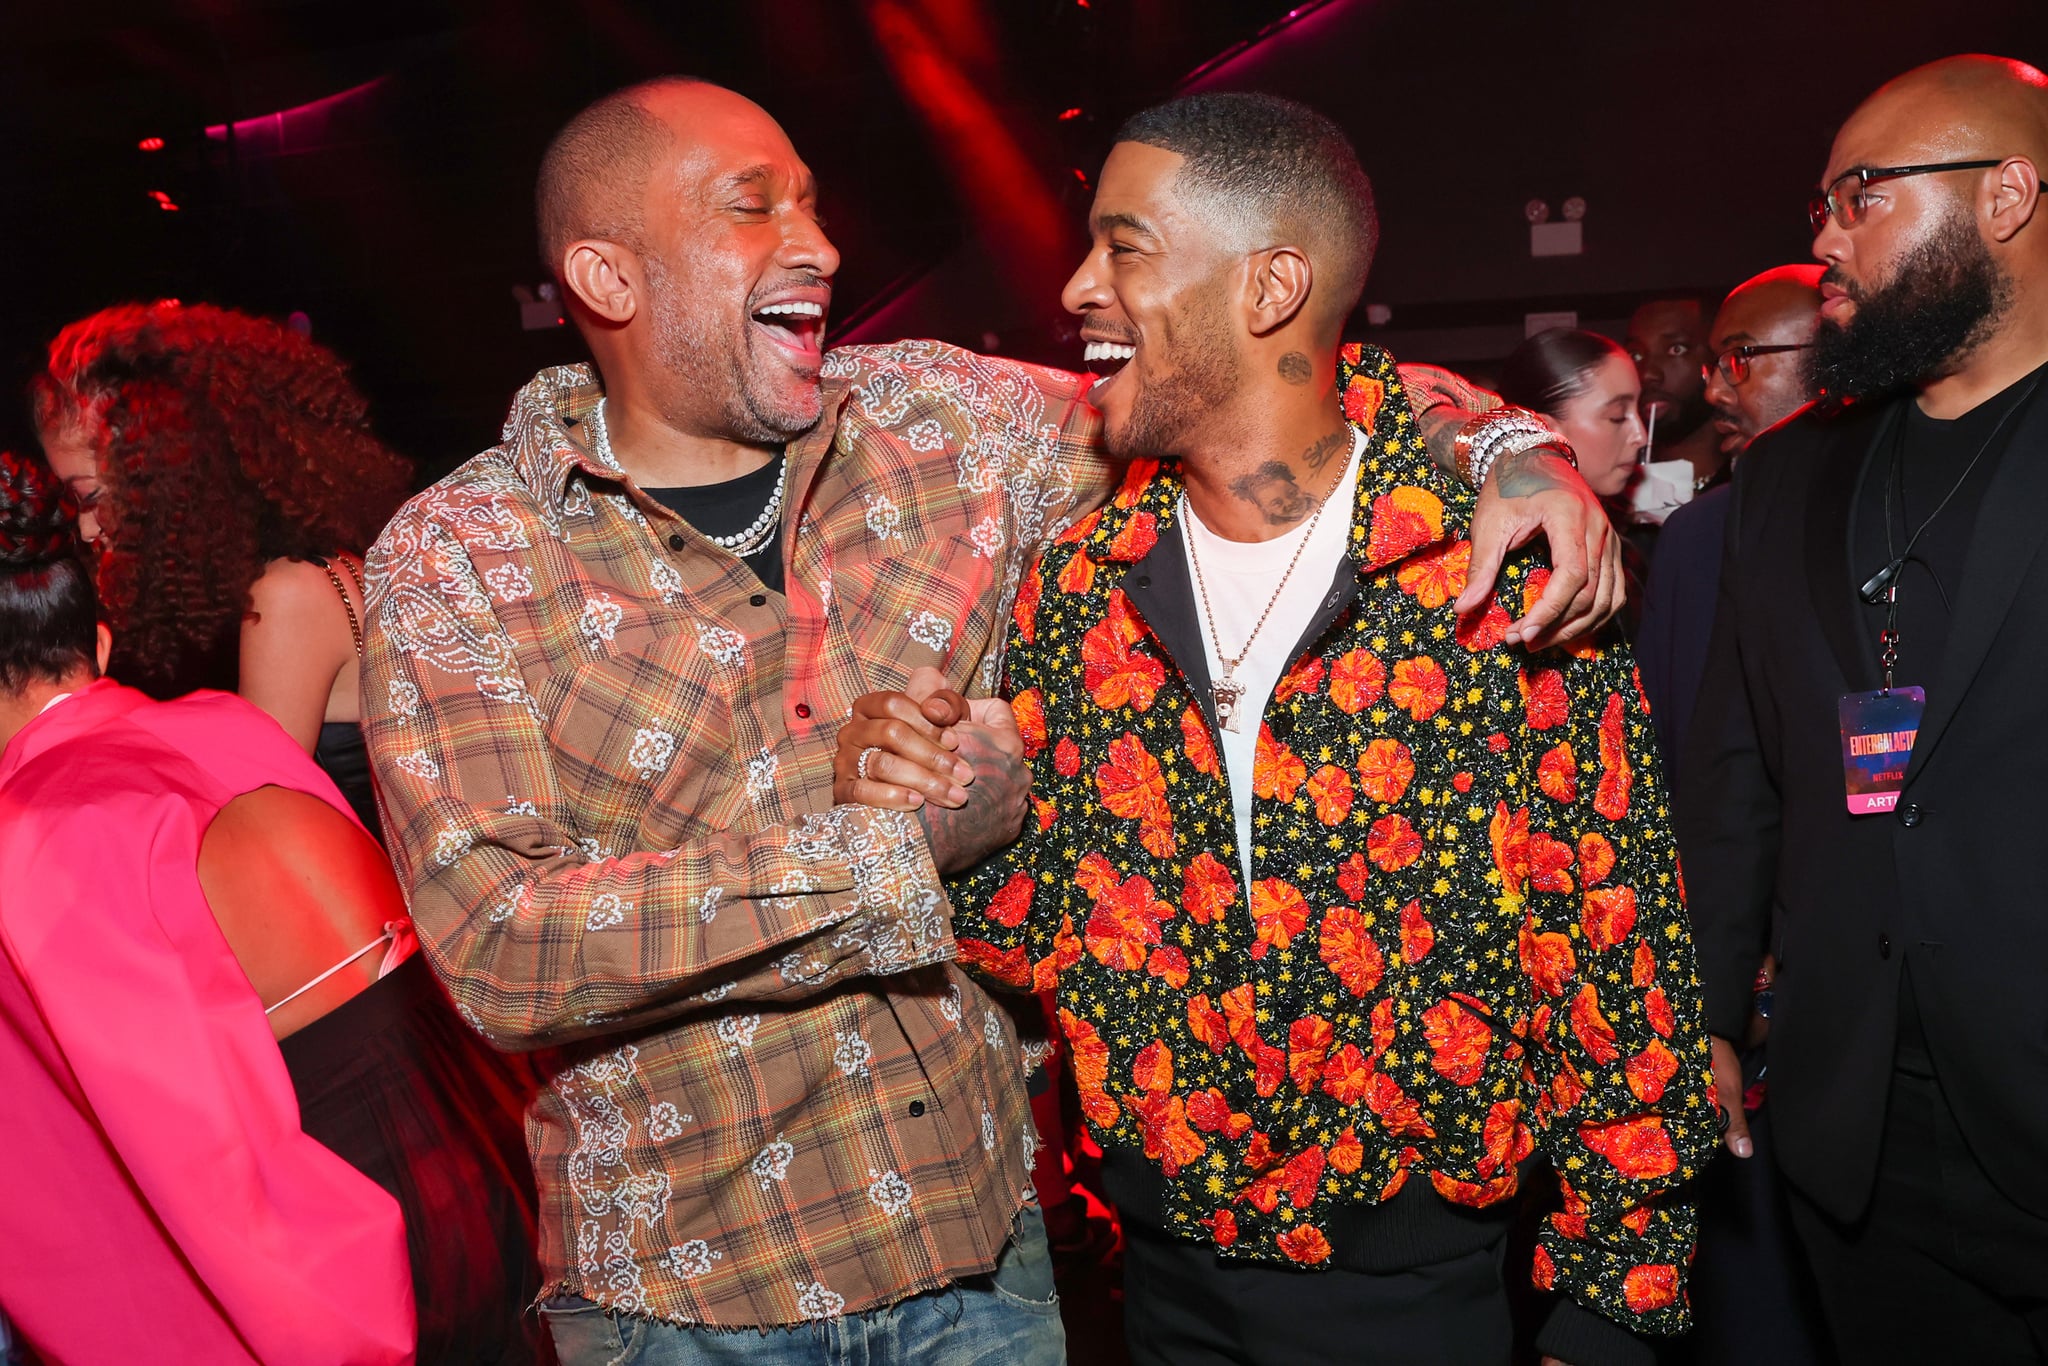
x: 1010, y: 1317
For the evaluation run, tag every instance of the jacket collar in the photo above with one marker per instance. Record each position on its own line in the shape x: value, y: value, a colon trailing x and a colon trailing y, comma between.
x: 548, y: 440
x: 1404, y: 503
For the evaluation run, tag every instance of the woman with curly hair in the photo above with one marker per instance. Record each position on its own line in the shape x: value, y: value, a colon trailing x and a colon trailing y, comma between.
x: 229, y: 479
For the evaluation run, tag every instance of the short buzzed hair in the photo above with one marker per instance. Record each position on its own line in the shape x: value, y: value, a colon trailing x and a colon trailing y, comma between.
x: 593, y: 177
x: 1271, y: 169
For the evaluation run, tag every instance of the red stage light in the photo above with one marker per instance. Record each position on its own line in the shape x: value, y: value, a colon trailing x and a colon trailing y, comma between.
x: 151, y: 144
x: 167, y: 206
x: 1070, y: 114
x: 159, y: 196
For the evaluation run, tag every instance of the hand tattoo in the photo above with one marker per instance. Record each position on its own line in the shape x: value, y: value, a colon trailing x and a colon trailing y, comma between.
x: 1295, y: 368
x: 1526, y: 473
x: 996, y: 803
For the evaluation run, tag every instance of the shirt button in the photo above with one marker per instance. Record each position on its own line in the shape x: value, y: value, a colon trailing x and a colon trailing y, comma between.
x: 1144, y: 580
x: 758, y: 600
x: 1884, y: 946
x: 675, y: 540
x: 803, y: 710
x: 1909, y: 815
x: 917, y: 1109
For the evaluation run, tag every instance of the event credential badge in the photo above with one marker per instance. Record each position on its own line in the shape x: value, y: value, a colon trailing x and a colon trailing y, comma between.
x: 1878, y: 730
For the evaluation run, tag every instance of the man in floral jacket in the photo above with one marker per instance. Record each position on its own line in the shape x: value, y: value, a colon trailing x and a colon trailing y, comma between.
x: 1353, y: 910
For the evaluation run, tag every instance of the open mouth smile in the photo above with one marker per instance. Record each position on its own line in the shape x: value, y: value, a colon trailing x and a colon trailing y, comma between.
x: 1106, y: 359
x: 795, y: 325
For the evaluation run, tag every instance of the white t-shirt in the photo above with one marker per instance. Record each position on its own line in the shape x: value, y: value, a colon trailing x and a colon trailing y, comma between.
x: 1241, y: 577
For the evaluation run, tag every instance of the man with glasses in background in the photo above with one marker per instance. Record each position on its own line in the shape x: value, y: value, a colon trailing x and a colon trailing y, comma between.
x: 1859, y: 768
x: 1750, y: 1299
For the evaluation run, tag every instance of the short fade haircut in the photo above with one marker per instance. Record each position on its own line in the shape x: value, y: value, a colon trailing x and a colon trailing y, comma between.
x: 1272, y: 170
x: 594, y: 175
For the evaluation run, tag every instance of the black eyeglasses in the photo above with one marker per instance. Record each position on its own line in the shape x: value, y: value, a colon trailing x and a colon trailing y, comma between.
x: 1734, y: 362
x: 1848, y: 206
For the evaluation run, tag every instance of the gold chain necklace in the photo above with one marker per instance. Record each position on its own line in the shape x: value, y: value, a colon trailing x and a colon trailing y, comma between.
x: 1226, y: 691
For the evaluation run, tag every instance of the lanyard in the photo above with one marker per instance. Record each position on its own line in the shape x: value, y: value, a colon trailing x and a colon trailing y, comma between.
x: 1885, y: 582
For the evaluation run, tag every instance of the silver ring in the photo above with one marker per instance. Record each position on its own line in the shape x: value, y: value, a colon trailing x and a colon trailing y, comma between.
x: 860, y: 768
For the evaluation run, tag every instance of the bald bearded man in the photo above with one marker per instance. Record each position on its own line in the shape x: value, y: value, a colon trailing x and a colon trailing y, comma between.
x: 607, y: 662
x: 1867, y: 785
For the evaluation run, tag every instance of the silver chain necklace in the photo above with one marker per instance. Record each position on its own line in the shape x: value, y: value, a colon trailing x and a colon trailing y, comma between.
x: 1227, y: 691
x: 753, y: 539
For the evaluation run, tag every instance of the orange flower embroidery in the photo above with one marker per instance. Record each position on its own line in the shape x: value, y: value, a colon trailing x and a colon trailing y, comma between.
x: 1206, y: 1023
x: 1657, y: 1011
x: 1170, y: 964
x: 1125, y: 922
x: 1418, y: 936
x: 1650, y: 1071
x: 1596, y: 857
x: 1392, y: 843
x: 1595, y: 1035
x: 1547, y: 958
x: 1357, y: 680
x: 1607, y: 916
x: 1208, y: 888
x: 1544, y: 699
x: 1132, y: 786
x: 1435, y: 577
x: 1548, y: 859
x: 1419, y: 687
x: 1385, y: 770
x: 1199, y: 746
x: 1346, y: 1075
x: 1113, y: 675
x: 1403, y: 521
x: 1650, y: 1287
x: 1029, y: 709
x: 1557, y: 775
x: 1308, y: 1043
x: 1305, y: 1243
x: 1089, y: 1057
x: 1485, y: 630
x: 1025, y: 611
x: 1278, y: 914
x: 1351, y: 876
x: 1330, y: 790
x: 1460, y: 1039
x: 1362, y: 399
x: 1276, y: 773
x: 1638, y: 1148
x: 1616, y: 777
x: 1301, y: 680
x: 1348, y: 950
x: 1136, y: 539
x: 1010, y: 905
x: 1078, y: 574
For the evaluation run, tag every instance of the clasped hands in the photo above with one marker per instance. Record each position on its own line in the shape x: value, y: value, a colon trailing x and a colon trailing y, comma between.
x: 958, y: 764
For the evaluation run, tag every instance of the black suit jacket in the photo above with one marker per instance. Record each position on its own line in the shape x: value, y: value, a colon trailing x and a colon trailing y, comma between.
x: 1953, y: 879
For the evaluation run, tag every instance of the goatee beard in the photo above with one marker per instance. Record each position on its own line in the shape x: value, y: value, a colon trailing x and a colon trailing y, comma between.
x: 1945, y: 298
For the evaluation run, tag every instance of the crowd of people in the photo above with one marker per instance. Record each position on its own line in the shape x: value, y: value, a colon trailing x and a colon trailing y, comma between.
x: 645, y: 897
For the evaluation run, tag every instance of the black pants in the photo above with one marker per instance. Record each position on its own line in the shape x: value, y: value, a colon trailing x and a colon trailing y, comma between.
x: 1184, y: 1306
x: 1942, y: 1267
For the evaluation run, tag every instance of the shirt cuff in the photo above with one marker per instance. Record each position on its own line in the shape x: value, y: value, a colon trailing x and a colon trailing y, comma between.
x: 901, y: 921
x: 1577, y: 1336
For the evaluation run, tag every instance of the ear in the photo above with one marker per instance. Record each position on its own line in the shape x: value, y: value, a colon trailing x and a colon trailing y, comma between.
x: 1281, y: 280
x: 2014, y: 197
x: 604, y: 277
x: 103, y: 647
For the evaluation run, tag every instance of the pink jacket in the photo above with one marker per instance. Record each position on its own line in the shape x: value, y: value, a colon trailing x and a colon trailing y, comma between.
x: 157, y: 1199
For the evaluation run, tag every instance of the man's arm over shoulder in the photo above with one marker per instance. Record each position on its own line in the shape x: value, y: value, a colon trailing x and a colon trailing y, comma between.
x: 541, y: 933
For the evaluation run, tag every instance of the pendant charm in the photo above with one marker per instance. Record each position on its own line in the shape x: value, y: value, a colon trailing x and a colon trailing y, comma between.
x: 1227, y: 693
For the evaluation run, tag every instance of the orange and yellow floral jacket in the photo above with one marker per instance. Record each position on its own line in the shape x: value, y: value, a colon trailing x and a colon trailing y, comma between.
x: 1465, y: 938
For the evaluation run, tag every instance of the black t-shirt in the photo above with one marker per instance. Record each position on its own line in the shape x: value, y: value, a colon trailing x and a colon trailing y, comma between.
x: 1920, y: 459
x: 729, y: 508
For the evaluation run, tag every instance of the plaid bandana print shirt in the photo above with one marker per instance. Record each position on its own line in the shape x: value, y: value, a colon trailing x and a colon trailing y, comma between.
x: 604, y: 754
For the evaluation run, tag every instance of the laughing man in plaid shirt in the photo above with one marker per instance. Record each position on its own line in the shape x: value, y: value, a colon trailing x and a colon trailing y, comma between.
x: 605, y: 670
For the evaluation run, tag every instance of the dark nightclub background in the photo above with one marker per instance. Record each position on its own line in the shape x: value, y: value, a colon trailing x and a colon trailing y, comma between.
x: 370, y: 165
